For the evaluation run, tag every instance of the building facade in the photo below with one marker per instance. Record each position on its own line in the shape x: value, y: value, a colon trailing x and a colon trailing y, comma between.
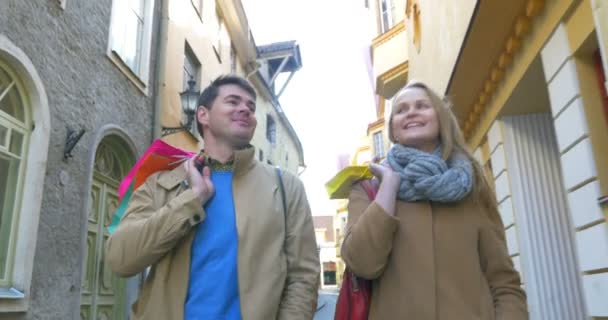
x: 77, y: 91
x: 203, y: 39
x: 85, y: 87
x: 361, y: 156
x: 528, y: 83
x: 388, y: 71
x: 325, y: 233
x: 390, y: 66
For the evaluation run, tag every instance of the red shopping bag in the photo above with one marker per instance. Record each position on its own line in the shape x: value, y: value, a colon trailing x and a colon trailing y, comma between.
x: 355, y: 294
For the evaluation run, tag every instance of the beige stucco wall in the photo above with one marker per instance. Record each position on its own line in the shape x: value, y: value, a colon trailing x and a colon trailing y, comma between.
x: 284, y: 152
x: 183, y: 24
x: 443, y: 26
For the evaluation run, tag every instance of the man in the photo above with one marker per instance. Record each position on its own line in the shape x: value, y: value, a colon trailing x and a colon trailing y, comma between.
x: 218, y: 241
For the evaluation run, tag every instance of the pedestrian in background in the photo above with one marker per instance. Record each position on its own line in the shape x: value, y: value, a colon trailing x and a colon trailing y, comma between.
x: 432, y: 241
x: 214, y: 232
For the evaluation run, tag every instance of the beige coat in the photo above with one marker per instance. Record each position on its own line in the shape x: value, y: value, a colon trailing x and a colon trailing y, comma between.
x: 277, y: 270
x: 433, y: 261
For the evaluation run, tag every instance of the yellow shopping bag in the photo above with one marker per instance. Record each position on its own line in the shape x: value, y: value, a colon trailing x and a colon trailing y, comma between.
x: 339, y: 186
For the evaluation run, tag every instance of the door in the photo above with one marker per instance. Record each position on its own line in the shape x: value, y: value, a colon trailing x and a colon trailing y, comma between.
x: 103, y: 294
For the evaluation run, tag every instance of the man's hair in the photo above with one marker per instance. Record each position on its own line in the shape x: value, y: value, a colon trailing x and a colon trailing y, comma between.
x: 211, y: 92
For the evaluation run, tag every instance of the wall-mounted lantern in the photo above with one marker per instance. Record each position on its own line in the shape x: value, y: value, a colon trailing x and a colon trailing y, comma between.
x: 189, y: 101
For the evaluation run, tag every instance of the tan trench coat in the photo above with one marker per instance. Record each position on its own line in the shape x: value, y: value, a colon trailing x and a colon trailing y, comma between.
x: 277, y: 273
x: 433, y: 261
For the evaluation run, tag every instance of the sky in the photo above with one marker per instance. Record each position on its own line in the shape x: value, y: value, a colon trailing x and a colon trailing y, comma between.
x: 330, y: 100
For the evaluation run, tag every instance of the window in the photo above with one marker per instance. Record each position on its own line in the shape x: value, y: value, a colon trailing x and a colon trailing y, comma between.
x: 192, y: 68
x: 271, y: 130
x: 385, y: 15
x: 13, y: 139
x: 131, y: 35
x: 378, y: 145
x: 329, y: 273
x: 232, y: 60
x: 198, y: 6
x: 217, y: 45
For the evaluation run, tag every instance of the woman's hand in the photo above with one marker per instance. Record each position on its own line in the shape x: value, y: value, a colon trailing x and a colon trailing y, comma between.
x: 200, y: 182
x: 386, y: 175
x: 389, y: 186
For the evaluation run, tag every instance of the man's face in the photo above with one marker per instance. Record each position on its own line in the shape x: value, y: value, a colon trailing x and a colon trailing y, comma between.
x: 231, y: 118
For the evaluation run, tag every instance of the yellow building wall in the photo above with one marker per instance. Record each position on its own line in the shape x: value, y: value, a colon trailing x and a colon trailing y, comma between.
x: 399, y: 7
x: 442, y: 27
x: 543, y: 27
x: 390, y: 51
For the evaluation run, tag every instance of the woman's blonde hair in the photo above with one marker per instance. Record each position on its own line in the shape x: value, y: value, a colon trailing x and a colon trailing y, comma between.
x: 451, y: 138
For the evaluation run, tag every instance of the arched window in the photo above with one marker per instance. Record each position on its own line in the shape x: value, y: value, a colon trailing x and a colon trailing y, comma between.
x: 15, y: 125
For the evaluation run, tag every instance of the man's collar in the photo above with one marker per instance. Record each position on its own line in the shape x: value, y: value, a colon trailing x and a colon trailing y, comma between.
x: 216, y: 165
x: 242, y: 161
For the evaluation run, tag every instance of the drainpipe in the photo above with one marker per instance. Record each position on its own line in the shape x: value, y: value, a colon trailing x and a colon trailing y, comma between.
x: 159, y: 73
x: 601, y: 30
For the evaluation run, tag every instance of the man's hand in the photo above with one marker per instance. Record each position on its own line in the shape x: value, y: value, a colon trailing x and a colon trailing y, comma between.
x: 199, y: 182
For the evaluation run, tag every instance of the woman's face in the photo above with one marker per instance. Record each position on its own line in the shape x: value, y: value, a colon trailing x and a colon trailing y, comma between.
x: 415, y: 123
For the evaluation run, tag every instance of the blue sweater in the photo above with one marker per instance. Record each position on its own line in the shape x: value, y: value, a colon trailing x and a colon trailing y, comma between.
x: 213, y: 292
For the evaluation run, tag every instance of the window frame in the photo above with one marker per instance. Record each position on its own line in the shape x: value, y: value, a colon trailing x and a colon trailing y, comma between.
x: 190, y: 59
x: 198, y: 8
x: 13, y: 124
x: 217, y: 42
x: 385, y: 24
x: 139, y: 77
x: 36, y: 109
x: 377, y: 144
x: 233, y: 59
x: 271, y: 130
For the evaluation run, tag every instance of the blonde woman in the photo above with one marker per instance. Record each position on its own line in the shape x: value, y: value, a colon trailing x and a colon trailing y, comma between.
x: 432, y: 241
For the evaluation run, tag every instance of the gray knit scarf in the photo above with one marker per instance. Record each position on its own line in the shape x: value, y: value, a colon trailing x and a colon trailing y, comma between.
x: 426, y: 176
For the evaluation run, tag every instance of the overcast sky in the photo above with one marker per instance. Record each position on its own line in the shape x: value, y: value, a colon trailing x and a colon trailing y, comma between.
x: 330, y: 100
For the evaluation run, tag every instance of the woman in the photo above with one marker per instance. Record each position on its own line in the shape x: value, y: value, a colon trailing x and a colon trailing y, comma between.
x: 432, y: 240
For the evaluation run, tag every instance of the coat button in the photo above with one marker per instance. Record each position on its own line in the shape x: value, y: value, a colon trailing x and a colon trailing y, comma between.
x: 196, y: 218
